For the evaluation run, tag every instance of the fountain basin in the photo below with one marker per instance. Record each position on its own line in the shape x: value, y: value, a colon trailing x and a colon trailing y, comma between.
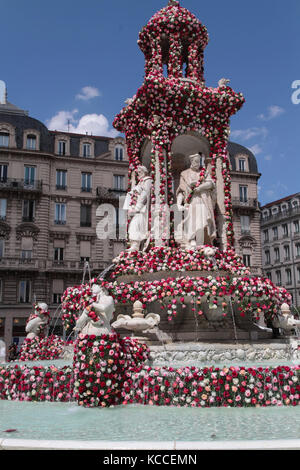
x: 65, y: 425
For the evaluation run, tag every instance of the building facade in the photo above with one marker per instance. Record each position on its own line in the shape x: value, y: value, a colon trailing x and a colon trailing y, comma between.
x: 56, y: 191
x: 246, y: 209
x: 55, y: 188
x: 280, y: 234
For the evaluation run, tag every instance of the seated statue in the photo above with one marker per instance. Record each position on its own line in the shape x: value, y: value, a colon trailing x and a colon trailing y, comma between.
x: 137, y: 203
x: 196, y: 198
x: 38, y: 321
x: 96, y: 318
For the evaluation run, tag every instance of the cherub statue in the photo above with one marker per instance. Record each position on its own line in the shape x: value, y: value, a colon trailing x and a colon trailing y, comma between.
x: 38, y: 321
x: 96, y: 318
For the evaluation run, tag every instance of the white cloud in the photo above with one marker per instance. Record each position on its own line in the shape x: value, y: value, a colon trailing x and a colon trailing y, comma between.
x: 87, y: 93
x: 273, y: 112
x: 268, y: 158
x: 247, y: 134
x: 95, y: 124
x: 256, y: 149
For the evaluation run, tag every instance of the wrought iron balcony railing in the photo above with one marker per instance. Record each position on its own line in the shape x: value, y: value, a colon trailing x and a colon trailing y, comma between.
x: 14, y: 184
x: 249, y: 203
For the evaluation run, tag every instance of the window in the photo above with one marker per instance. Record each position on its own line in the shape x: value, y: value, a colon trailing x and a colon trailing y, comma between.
x: 119, y: 181
x: 286, y: 252
x: 58, y: 254
x: 31, y: 142
x: 277, y: 255
x: 1, y: 247
x: 275, y: 233
x: 3, y: 173
x: 298, y: 274
x: 3, y: 208
x: 243, y: 193
x: 29, y: 175
x: 298, y: 250
x: 265, y: 214
x: 86, y: 182
x: 4, y: 139
x: 57, y: 289
x: 269, y: 275
x: 296, y: 226
x: 245, y: 224
x: 119, y: 153
x: 24, y: 291
x: 247, y: 260
x: 266, y: 235
x: 285, y: 230
x: 26, y: 248
x: 288, y: 276
x: 278, y: 278
x: 267, y: 255
x: 85, y: 215
x: 85, y: 251
x: 28, y: 210
x: 284, y: 208
x: 62, y: 147
x: 61, y: 179
x: 60, y: 214
x: 242, y: 164
x: 86, y: 149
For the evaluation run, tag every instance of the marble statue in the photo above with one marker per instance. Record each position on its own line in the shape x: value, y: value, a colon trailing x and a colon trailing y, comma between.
x: 286, y: 320
x: 104, y: 308
x: 138, y: 322
x: 38, y: 321
x: 196, y: 198
x: 223, y: 82
x: 137, y: 203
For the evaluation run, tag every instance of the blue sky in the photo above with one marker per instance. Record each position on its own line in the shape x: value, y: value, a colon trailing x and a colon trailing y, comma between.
x: 79, y: 61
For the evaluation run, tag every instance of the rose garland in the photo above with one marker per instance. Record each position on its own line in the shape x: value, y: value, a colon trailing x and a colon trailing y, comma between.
x: 197, y: 184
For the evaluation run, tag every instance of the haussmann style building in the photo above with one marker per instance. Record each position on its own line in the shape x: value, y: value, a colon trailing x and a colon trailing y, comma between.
x: 280, y: 234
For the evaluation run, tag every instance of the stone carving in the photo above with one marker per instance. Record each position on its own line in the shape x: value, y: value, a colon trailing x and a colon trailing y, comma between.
x: 286, y: 320
x: 138, y: 322
x: 196, y: 198
x: 103, y: 307
x: 223, y: 82
x: 137, y: 203
x: 38, y: 321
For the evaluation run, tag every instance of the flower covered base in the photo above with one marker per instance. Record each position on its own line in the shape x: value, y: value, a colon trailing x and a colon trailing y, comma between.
x: 100, y: 367
x: 38, y: 349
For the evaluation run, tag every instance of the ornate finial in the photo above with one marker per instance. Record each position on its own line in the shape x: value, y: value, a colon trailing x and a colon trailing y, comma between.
x: 173, y: 3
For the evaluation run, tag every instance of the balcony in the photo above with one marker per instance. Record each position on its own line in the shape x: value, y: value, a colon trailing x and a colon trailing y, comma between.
x: 60, y: 222
x: 281, y: 215
x: 249, y: 203
x: 26, y: 264
x: 109, y: 194
x: 28, y: 218
x: 20, y: 185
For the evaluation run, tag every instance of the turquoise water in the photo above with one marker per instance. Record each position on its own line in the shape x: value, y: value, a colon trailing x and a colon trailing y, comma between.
x: 68, y: 421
